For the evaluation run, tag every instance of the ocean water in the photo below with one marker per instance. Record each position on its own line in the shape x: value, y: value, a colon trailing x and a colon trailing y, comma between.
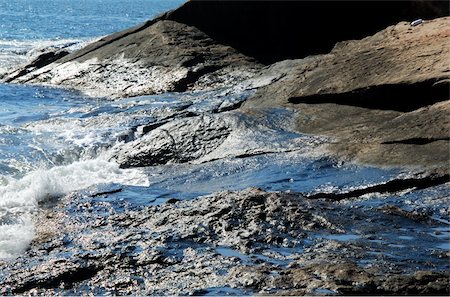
x: 45, y: 148
x: 55, y: 141
x: 29, y: 26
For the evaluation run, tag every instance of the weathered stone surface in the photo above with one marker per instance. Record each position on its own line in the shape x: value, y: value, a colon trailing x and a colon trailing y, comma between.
x: 417, y: 181
x: 209, y: 137
x: 40, y: 61
x: 384, y: 98
x: 178, y: 141
x: 230, y: 242
x: 158, y: 56
x: 346, y: 278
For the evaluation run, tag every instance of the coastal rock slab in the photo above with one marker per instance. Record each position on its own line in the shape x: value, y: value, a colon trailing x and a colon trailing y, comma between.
x: 383, y: 98
x: 272, y: 31
x: 178, y: 141
x: 209, y: 137
x: 242, y: 242
x: 156, y: 57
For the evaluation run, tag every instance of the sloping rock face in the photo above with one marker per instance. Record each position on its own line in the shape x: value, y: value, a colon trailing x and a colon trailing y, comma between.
x: 208, y: 137
x: 156, y: 57
x: 272, y: 31
x: 384, y: 98
x: 206, y: 44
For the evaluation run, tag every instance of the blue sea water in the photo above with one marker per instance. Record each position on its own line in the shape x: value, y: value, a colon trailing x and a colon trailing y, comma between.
x: 27, y: 26
x: 60, y: 19
x: 44, y: 149
x: 54, y: 141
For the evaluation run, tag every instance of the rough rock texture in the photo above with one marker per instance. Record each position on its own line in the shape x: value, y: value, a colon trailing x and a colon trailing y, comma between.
x: 208, y: 137
x: 158, y: 56
x: 202, y: 44
x: 384, y: 98
x: 177, y: 141
x: 346, y: 278
x: 229, y: 242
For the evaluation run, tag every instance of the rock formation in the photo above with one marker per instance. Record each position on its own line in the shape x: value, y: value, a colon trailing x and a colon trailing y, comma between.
x: 230, y: 242
x: 272, y: 31
x: 156, y: 57
x: 382, y: 99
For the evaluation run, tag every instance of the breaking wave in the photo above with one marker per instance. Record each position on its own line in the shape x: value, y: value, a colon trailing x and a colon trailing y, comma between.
x: 20, y: 198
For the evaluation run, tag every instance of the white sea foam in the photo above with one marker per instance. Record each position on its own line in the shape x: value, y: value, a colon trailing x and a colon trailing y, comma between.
x: 16, y: 52
x: 19, y: 198
x: 15, y: 238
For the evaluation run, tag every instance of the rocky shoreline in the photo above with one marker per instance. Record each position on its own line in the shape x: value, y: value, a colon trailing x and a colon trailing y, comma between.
x: 381, y: 100
x: 238, y: 242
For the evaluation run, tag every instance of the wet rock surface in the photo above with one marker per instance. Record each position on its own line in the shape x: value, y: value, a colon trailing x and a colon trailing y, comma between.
x: 227, y: 243
x: 156, y: 57
x: 379, y: 100
x: 209, y: 137
x: 178, y: 141
x: 383, y: 98
x: 378, y: 96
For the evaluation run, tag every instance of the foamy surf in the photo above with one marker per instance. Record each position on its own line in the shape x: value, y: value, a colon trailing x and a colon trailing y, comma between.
x: 16, y: 52
x: 19, y: 198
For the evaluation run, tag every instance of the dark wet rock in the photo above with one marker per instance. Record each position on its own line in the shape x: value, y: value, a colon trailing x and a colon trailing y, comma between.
x: 413, y: 215
x: 420, y: 283
x: 203, y: 138
x: 419, y: 181
x: 177, y: 141
x: 375, y: 95
x: 113, y: 191
x: 158, y: 56
x: 346, y: 278
x: 241, y: 220
x: 58, y: 272
x: 243, y: 242
x: 40, y: 61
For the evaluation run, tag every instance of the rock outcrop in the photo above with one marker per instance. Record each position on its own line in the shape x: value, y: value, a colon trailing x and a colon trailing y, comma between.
x: 175, y: 142
x: 208, y: 44
x: 384, y: 98
x: 156, y: 57
x: 243, y: 242
x: 272, y: 31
